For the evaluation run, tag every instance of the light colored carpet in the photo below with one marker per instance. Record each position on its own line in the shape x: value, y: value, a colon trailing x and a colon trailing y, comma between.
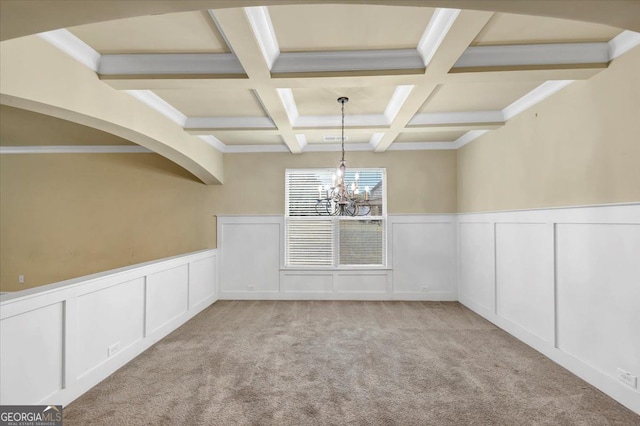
x: 334, y: 363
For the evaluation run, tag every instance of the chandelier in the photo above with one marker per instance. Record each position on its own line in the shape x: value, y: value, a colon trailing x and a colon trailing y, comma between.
x: 342, y: 199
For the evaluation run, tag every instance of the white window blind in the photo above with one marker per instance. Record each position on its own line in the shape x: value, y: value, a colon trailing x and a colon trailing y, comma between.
x: 309, y: 242
x: 361, y: 242
x: 314, y: 238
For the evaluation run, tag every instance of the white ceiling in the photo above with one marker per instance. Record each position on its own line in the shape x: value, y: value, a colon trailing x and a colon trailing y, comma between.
x: 267, y: 78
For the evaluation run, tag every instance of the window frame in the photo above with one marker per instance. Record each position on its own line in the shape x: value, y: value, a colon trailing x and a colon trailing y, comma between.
x: 335, y: 224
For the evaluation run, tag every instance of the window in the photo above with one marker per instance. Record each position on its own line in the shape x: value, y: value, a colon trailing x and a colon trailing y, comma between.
x: 315, y: 237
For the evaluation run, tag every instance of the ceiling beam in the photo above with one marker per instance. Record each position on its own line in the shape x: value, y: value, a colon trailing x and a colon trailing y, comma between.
x: 310, y: 80
x: 170, y: 63
x: 512, y: 75
x: 234, y: 23
x: 526, y: 55
x: 353, y: 60
x: 463, y: 31
x: 461, y: 126
x: 20, y: 18
x: 482, y: 74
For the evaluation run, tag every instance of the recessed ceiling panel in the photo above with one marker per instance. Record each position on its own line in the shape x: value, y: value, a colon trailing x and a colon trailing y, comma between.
x: 505, y: 28
x: 214, y: 102
x: 429, y: 136
x: 476, y: 96
x: 248, y: 138
x: 188, y: 32
x: 329, y: 27
x: 19, y: 127
x: 332, y: 136
x: 362, y: 100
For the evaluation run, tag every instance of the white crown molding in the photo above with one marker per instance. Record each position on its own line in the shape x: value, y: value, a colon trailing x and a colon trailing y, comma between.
x: 170, y: 63
x: 214, y: 142
x: 302, y: 140
x: 398, y: 98
x: 437, y: 29
x: 364, y: 120
x: 194, y: 123
x: 441, y: 118
x: 289, y: 103
x: 534, y: 54
x: 354, y: 60
x: 421, y: 146
x: 468, y: 137
x: 246, y: 149
x: 160, y: 105
x: 212, y: 15
x: 375, y: 140
x: 71, y: 45
x: 262, y: 27
x: 622, y: 43
x: 538, y: 94
x: 75, y: 149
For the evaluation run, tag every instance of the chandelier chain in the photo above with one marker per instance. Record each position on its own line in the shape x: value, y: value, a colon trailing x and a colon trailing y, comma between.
x: 340, y: 198
x: 342, y: 138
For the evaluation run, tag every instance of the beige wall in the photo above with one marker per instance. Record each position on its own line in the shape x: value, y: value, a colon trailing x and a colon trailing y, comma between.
x: 418, y: 181
x: 580, y: 146
x: 64, y: 216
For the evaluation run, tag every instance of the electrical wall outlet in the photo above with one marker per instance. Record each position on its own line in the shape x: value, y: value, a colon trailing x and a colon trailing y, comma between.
x: 113, y: 349
x: 627, y: 378
x: 424, y: 289
x: 20, y: 279
x: 252, y: 287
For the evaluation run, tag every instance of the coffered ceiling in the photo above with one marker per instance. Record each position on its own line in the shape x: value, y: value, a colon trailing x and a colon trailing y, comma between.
x: 266, y: 78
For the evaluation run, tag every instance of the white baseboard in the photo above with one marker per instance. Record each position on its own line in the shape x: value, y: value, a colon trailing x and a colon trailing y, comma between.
x: 363, y: 296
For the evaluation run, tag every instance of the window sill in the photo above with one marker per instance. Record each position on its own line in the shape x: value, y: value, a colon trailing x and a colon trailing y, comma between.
x: 333, y: 269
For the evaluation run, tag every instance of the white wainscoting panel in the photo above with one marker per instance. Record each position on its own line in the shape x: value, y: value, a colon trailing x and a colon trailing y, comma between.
x: 421, y: 253
x: 59, y: 340
x: 306, y: 282
x: 201, y: 286
x: 567, y: 283
x: 100, y: 325
x: 365, y: 282
x: 524, y: 277
x: 31, y: 352
x: 251, y: 255
x: 599, y: 295
x: 477, y: 264
x: 423, y: 256
x: 167, y: 296
x: 334, y: 284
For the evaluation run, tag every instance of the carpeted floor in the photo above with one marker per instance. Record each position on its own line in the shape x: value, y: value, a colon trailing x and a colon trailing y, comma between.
x: 334, y: 363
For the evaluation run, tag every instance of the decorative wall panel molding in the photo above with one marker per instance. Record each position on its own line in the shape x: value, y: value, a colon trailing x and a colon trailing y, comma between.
x: 564, y: 281
x: 60, y: 340
x: 418, y: 246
